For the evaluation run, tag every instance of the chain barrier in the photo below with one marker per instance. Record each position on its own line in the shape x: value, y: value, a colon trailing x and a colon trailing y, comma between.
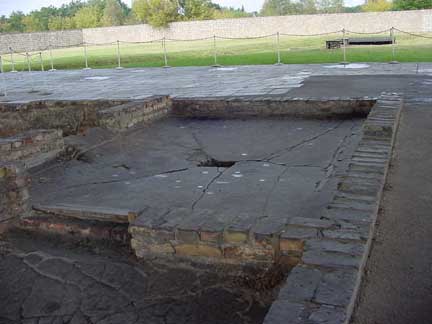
x: 280, y: 46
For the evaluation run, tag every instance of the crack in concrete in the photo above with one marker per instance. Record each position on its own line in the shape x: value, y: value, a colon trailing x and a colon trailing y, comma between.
x: 220, y: 173
x: 270, y: 193
x: 121, y: 180
x: 301, y: 143
x: 331, y: 166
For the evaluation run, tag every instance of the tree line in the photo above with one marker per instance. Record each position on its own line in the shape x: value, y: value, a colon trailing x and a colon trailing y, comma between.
x: 158, y: 13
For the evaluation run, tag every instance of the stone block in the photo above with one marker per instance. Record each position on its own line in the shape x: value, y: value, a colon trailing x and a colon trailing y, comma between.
x: 235, y: 237
x: 322, y: 258
x: 187, y: 236
x: 310, y: 222
x: 336, y: 288
x: 301, y: 284
x: 215, y: 237
x: 198, y: 250
x: 285, y: 312
x: 351, y: 248
x: 248, y: 252
x: 326, y: 314
x: 344, y: 234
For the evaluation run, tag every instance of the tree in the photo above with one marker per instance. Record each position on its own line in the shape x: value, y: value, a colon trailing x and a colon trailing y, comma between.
x: 158, y: 13
x: 61, y: 23
x: 377, y: 5
x: 308, y: 7
x: 88, y: 17
x: 280, y: 8
x: 16, y: 23
x: 226, y: 13
x: 331, y: 6
x: 113, y: 14
x: 197, y: 9
x: 412, y: 4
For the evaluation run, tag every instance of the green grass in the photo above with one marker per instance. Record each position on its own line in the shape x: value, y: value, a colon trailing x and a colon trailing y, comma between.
x: 300, y: 50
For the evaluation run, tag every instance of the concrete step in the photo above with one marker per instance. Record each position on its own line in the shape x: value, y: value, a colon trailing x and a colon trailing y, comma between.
x: 91, y: 213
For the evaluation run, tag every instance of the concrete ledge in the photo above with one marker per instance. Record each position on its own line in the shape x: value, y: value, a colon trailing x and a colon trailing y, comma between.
x: 70, y: 228
x: 110, y: 215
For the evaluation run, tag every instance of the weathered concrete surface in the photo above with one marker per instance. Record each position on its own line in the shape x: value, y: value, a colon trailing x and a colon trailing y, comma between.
x: 49, y: 282
x: 398, y: 281
x: 197, y: 81
x: 277, y: 162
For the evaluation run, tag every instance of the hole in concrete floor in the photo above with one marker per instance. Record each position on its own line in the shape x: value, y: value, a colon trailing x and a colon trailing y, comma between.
x: 212, y: 163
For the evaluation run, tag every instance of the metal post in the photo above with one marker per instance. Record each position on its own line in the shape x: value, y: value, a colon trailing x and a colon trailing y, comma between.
x: 28, y: 62
x: 344, y: 41
x: 215, y: 53
x: 278, y: 50
x: 119, y: 67
x: 165, y: 53
x: 51, y: 59
x: 86, y: 58
x: 392, y: 35
x: 4, y: 94
x: 12, y: 60
x: 41, y: 62
x: 30, y: 73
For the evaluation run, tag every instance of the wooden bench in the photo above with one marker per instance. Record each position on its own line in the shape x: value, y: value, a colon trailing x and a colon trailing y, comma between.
x: 381, y: 40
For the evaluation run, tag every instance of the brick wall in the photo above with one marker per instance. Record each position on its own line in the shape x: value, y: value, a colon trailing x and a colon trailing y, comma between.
x: 14, y: 194
x: 33, y: 147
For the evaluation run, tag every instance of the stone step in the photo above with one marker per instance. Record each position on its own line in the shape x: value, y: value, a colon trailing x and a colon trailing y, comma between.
x: 92, y: 213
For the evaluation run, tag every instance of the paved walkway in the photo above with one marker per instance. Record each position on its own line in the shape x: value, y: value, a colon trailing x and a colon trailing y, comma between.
x: 184, y: 82
x: 398, y: 283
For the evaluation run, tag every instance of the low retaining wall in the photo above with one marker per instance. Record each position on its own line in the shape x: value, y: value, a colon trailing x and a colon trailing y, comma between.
x: 333, y: 251
x: 73, y: 116
x: 132, y: 113
x: 32, y: 147
x: 238, y: 107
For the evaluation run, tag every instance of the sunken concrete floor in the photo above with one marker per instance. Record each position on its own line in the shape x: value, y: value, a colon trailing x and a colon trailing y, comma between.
x: 47, y: 281
x: 257, y: 171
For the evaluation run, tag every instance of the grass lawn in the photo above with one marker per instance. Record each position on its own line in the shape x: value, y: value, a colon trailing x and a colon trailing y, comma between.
x: 300, y: 50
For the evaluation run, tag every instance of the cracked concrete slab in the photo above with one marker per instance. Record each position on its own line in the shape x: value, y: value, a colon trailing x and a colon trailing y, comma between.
x: 51, y: 282
x: 277, y: 163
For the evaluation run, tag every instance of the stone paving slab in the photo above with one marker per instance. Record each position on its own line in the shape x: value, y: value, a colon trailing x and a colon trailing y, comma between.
x: 194, y: 81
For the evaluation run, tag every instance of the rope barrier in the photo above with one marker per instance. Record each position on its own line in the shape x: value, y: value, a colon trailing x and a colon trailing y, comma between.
x: 412, y: 34
x: 145, y: 42
x: 369, y: 33
x: 188, y: 40
x: 312, y: 35
x: 246, y: 38
x: 30, y: 58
